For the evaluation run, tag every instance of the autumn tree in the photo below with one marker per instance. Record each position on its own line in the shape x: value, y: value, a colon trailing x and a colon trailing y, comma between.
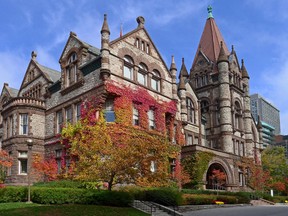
x: 119, y: 152
x: 257, y: 178
x: 44, y: 168
x: 275, y: 162
x: 5, y: 163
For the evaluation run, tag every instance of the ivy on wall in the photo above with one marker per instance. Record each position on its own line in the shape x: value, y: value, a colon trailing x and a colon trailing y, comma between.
x: 196, y: 165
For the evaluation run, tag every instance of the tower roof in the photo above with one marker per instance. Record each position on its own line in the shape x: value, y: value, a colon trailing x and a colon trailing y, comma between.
x: 105, y: 27
x: 211, y: 40
x: 244, y: 71
x: 183, y: 70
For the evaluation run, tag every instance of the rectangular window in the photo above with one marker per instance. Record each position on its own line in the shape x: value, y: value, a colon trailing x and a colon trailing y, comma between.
x: 59, y: 120
x: 128, y: 72
x: 174, y: 134
x: 151, y: 119
x: 141, y: 78
x: 109, y: 110
x: 68, y: 115
x: 135, y: 116
x: 189, y: 140
x: 23, y: 124
x: 58, y: 153
x: 11, y: 126
x: 23, y: 162
x: 78, y: 111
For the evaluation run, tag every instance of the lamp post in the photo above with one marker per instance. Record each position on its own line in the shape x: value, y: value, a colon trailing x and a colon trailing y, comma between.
x: 30, y: 145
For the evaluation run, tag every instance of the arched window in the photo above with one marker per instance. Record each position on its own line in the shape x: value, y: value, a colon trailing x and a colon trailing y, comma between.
x: 238, y: 115
x: 155, y: 81
x: 190, y: 110
x: 71, y: 70
x: 128, y: 67
x: 142, y: 74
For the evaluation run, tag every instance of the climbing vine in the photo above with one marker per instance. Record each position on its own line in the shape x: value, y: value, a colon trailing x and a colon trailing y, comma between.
x: 196, y: 165
x: 120, y: 152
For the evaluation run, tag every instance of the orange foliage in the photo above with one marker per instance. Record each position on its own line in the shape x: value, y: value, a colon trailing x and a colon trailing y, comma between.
x: 44, y: 168
x: 5, y: 162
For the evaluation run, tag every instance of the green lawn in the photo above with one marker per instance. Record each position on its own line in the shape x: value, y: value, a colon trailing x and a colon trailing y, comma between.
x: 33, y: 209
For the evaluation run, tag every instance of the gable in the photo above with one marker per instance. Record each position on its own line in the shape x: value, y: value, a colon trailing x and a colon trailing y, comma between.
x: 141, y: 48
x: 72, y: 42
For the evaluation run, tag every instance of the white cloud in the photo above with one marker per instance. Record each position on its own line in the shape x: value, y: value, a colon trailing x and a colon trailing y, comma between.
x: 12, y: 67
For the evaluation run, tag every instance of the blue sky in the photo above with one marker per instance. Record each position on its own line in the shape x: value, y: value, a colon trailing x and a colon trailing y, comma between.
x: 256, y: 28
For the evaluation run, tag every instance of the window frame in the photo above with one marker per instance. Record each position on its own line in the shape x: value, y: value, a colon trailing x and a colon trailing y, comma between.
x: 23, y: 124
x: 22, y: 162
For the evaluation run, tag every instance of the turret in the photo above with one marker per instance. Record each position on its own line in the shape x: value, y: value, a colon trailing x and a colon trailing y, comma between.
x: 183, y: 75
x: 173, y: 71
x: 247, y: 113
x: 224, y: 101
x: 105, y: 52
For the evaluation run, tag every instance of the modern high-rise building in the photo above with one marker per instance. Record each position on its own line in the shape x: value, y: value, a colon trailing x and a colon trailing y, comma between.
x: 282, y: 141
x: 211, y: 103
x: 269, y: 116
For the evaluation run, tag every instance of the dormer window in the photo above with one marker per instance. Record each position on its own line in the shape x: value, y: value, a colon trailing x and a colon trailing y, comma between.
x: 71, y: 70
x: 128, y: 67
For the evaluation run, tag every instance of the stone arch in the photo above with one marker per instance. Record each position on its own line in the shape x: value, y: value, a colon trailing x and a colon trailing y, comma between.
x: 222, y: 165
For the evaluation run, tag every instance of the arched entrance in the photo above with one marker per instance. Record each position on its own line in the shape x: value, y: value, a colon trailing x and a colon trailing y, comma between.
x: 216, y: 177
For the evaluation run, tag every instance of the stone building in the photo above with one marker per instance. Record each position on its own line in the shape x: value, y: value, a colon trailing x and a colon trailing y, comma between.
x: 213, y: 102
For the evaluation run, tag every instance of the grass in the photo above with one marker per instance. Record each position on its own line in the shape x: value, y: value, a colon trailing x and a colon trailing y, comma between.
x: 23, y: 209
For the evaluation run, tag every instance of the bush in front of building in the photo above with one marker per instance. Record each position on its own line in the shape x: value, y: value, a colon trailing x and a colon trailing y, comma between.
x: 207, y: 199
x: 13, y: 194
x: 45, y: 195
x: 59, y: 184
x: 80, y: 196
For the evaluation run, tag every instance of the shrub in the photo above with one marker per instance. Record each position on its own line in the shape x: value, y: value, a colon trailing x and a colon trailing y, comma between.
x: 112, y: 198
x: 80, y: 196
x: 195, y: 199
x: 13, y: 194
x: 59, y: 184
x: 167, y: 197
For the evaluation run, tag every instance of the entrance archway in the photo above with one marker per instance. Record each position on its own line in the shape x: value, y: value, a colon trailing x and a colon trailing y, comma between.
x: 216, y: 177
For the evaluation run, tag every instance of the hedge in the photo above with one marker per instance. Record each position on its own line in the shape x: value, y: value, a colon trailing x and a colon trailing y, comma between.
x: 167, y: 197
x: 206, y: 199
x: 13, y: 194
x: 45, y: 195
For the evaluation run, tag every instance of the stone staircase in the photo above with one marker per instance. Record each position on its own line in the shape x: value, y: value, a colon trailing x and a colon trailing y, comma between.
x: 154, y: 208
x: 260, y: 202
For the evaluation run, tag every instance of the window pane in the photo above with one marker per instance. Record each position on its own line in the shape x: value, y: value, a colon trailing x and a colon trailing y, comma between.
x: 141, y: 78
x: 59, y: 121
x: 23, y: 166
x: 69, y: 114
x: 128, y: 72
x: 151, y: 119
x: 155, y: 84
x: 23, y: 124
x: 78, y: 112
x: 135, y: 116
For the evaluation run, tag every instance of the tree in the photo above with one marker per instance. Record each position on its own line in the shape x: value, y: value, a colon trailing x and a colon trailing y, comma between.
x: 275, y: 162
x: 5, y: 163
x: 257, y: 177
x: 45, y: 169
x: 119, y: 152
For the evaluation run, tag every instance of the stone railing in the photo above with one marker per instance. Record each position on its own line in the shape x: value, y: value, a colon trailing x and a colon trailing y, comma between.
x: 24, y: 101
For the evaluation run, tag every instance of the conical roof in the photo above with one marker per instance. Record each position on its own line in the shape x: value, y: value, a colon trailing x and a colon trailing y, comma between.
x: 210, y: 42
x: 183, y: 70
